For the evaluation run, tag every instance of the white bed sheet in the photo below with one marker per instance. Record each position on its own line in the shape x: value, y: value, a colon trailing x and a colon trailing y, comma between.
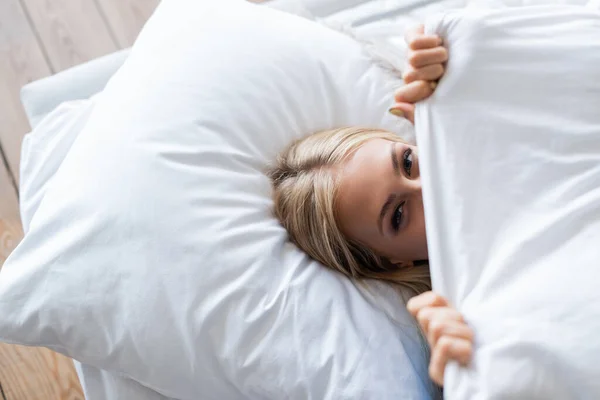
x: 511, y: 188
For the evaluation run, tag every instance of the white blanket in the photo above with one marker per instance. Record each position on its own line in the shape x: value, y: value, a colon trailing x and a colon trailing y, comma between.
x: 510, y: 155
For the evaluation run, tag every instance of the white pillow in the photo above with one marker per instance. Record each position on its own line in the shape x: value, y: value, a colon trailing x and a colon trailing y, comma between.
x: 510, y: 155
x: 154, y: 254
x: 44, y: 149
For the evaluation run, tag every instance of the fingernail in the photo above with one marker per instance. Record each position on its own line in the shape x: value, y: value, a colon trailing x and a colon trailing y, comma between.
x: 397, y: 112
x: 433, y: 85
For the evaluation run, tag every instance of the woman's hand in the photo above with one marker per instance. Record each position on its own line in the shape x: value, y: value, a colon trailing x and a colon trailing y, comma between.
x: 449, y: 337
x: 426, y: 58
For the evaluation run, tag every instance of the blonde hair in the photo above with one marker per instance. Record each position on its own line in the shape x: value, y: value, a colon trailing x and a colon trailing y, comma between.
x: 305, y: 185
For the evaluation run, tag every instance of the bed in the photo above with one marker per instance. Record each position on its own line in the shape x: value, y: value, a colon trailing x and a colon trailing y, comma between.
x: 376, y: 20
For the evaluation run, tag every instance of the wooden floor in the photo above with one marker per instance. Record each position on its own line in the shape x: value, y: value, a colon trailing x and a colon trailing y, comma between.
x: 39, y: 38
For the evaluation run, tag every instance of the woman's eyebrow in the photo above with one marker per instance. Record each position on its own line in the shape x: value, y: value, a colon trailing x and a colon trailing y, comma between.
x: 384, y: 210
x: 391, y: 197
x: 394, y: 156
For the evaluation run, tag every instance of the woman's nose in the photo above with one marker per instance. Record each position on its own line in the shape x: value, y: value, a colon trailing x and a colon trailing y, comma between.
x: 413, y: 186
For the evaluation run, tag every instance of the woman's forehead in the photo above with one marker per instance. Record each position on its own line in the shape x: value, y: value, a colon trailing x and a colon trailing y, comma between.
x: 372, y: 156
x: 362, y: 186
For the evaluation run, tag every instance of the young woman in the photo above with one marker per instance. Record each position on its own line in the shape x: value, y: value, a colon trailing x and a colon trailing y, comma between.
x: 351, y: 198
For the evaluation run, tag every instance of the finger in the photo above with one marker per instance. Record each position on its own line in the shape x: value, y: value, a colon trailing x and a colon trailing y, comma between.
x: 427, y: 299
x: 404, y: 110
x: 413, y: 32
x: 421, y: 58
x: 414, y: 92
x: 447, y: 349
x: 420, y: 42
x: 453, y: 328
x: 427, y: 73
x: 428, y: 314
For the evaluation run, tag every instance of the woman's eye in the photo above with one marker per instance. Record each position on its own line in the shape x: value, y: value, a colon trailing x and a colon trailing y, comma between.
x: 407, y: 161
x: 397, y: 217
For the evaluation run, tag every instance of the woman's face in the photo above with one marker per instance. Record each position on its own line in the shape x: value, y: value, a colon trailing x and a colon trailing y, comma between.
x: 380, y: 203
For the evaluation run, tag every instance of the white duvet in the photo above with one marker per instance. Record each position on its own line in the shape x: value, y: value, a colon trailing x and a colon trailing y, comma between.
x: 510, y: 153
